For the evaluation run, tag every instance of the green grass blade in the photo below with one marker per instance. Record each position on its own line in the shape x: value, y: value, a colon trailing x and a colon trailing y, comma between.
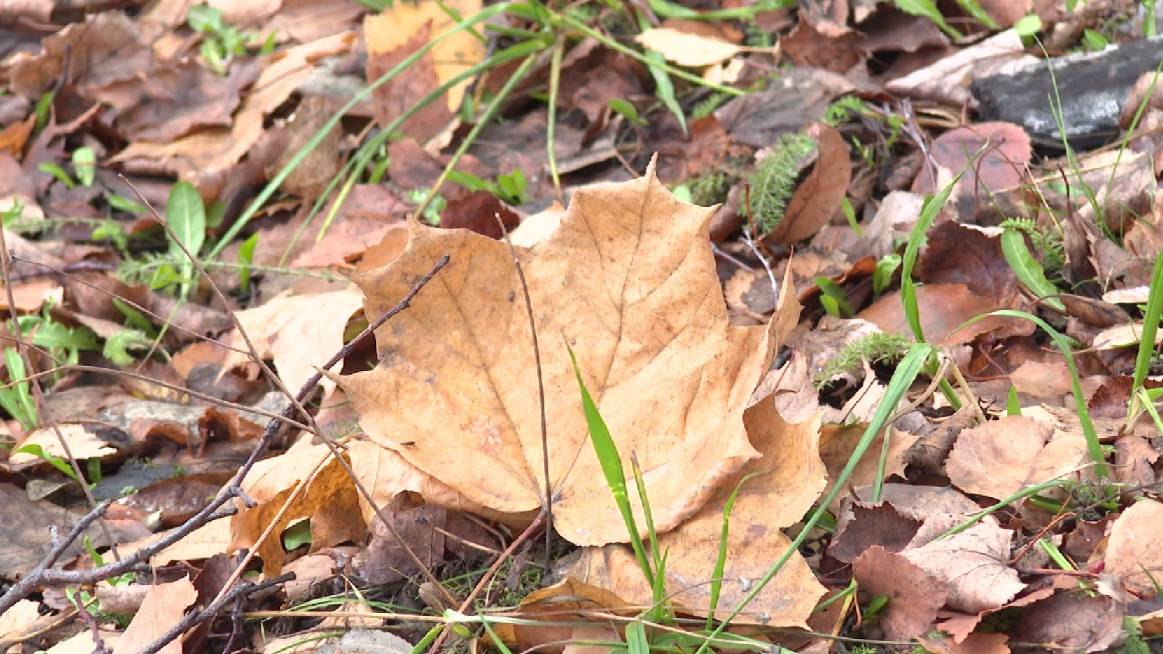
x: 1013, y: 405
x: 611, y: 463
x: 636, y: 642
x: 1147, y: 339
x: 1027, y: 269
x: 721, y: 555
x: 929, y: 212
x: 906, y: 372
x: 277, y: 180
x: 664, y: 88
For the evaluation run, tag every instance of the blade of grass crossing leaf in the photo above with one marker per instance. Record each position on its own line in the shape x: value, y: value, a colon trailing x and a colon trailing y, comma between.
x: 928, y: 9
x: 430, y: 636
x: 1027, y: 269
x: 1093, y: 446
x: 611, y: 463
x: 551, y: 123
x: 497, y: 642
x: 664, y: 88
x: 1149, y: 406
x: 721, y: 554
x: 278, y: 179
x: 1147, y: 339
x: 906, y: 372
x: 644, y: 501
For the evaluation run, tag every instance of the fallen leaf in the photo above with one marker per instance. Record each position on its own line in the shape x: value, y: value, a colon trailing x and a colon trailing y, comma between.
x: 992, y: 155
x: 26, y: 532
x: 1132, y: 554
x: 972, y: 563
x: 790, y: 469
x: 914, y: 596
x: 686, y: 49
x: 398, y: 31
x: 327, y: 498
x: 209, y: 154
x: 1072, y: 621
x: 1001, y: 457
x: 948, y: 79
x: 818, y: 198
x: 82, y: 443
x: 15, y: 620
x: 163, y: 606
x: 299, y: 332
x: 862, y: 525
x: 645, y: 316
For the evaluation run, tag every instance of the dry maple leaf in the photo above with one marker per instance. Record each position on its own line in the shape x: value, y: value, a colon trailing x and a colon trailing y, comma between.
x: 628, y: 281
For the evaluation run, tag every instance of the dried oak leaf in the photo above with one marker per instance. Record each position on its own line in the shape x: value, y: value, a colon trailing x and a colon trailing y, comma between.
x: 628, y: 281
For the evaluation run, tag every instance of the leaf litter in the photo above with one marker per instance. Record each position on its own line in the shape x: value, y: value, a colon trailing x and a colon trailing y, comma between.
x: 720, y: 222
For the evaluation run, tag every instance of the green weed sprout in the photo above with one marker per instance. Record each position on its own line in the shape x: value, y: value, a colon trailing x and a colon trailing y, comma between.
x: 774, y: 179
x: 876, y: 348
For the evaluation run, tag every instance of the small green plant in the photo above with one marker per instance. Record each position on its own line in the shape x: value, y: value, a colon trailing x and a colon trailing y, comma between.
x: 62, y: 342
x: 772, y: 182
x: 711, y: 187
x: 436, y: 204
x: 117, y: 346
x: 509, y: 187
x: 245, y: 260
x: 85, y: 165
x: 833, y: 298
x: 879, y: 348
x: 16, y: 399
x: 1026, y: 267
x: 222, y: 42
x: 627, y: 110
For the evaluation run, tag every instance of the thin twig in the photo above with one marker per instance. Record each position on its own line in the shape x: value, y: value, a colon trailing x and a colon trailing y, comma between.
x: 547, y: 500
x: 488, y: 576
x: 196, y: 617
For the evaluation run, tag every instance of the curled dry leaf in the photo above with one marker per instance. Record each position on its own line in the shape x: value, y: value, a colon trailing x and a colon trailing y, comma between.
x: 914, y: 596
x: 818, y: 198
x: 298, y: 331
x: 628, y: 281
x: 972, y: 563
x: 686, y: 49
x: 1001, y: 457
x: 328, y: 498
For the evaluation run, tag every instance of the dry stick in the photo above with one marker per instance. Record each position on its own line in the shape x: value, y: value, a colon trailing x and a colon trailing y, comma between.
x: 44, y: 575
x: 38, y: 392
x: 547, y: 504
x: 488, y: 576
x: 296, y: 402
x: 196, y: 617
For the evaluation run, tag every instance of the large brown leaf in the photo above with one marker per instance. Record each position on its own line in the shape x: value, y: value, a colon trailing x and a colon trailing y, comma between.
x: 628, y: 280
